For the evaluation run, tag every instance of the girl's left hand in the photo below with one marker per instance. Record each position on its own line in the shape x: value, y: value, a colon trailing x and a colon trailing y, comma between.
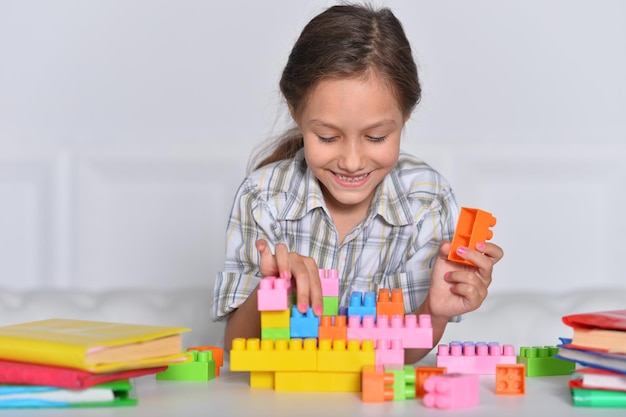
x: 458, y: 288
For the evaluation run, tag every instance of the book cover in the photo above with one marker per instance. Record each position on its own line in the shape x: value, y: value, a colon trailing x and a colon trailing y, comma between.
x: 582, y: 397
x: 596, y: 378
x: 23, y: 373
x: 109, y: 394
x: 593, y: 358
x: 93, y: 346
x: 599, y: 330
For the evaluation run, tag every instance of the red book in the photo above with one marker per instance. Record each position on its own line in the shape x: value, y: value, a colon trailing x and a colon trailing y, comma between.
x: 22, y: 373
x: 605, y: 330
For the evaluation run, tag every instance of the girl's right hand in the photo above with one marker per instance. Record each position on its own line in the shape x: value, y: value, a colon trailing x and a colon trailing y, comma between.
x: 302, y: 269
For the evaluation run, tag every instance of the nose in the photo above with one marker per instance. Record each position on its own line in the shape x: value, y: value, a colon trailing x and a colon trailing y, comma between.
x: 352, y: 156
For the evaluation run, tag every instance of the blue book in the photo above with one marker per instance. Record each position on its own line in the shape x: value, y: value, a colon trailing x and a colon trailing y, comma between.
x: 609, y: 361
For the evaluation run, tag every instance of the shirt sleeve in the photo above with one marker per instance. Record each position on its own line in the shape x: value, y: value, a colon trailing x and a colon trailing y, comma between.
x: 250, y: 220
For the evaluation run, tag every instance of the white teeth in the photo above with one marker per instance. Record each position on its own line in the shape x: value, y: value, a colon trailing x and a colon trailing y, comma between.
x: 351, y: 179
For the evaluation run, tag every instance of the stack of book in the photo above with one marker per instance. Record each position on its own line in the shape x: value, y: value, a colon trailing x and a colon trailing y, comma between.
x: 598, y: 346
x: 81, y: 363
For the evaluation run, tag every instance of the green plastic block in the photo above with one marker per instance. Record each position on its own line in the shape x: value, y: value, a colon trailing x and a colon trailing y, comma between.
x: 540, y: 361
x: 275, y: 333
x: 201, y: 368
x: 330, y: 306
x: 403, y: 381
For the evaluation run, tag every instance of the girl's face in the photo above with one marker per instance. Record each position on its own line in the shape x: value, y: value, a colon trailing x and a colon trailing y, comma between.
x: 351, y: 130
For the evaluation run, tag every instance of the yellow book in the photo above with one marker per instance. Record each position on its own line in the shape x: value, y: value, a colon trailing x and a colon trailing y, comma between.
x: 93, y: 346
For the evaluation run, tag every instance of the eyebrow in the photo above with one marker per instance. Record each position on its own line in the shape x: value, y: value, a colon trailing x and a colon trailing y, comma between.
x: 384, y: 122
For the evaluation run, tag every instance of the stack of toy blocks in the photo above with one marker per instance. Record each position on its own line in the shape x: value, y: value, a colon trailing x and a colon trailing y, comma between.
x: 329, y: 353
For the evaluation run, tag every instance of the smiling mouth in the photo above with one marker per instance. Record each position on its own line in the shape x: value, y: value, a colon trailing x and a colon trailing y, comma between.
x: 351, y: 179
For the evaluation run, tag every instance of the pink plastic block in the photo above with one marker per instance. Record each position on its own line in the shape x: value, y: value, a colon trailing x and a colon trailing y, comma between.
x: 330, y: 282
x: 411, y: 332
x: 474, y: 358
x: 273, y: 294
x: 449, y: 391
x: 389, y: 352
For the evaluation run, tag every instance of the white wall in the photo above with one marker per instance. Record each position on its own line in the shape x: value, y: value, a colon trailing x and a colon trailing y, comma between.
x: 126, y: 125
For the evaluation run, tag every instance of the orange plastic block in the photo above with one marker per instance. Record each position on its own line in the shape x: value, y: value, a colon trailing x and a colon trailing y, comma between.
x: 218, y: 355
x: 266, y: 355
x: 422, y: 373
x: 473, y: 226
x: 387, y: 305
x: 333, y: 328
x: 342, y: 356
x: 510, y: 379
x: 376, y: 384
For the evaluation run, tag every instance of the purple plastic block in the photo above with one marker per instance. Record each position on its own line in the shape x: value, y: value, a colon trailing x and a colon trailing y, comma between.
x: 450, y: 391
x: 413, y: 332
x: 273, y: 294
x: 330, y: 282
x: 474, y: 358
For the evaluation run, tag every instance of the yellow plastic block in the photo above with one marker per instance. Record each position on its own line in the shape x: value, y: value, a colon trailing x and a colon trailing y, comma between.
x: 342, y: 356
x: 268, y: 355
x: 261, y: 379
x: 275, y: 319
x: 318, y: 381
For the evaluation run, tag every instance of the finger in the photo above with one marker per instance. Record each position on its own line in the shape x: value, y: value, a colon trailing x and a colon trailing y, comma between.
x: 300, y: 274
x: 493, y: 251
x: 315, y: 287
x: 473, y: 295
x: 267, y: 265
x: 282, y: 261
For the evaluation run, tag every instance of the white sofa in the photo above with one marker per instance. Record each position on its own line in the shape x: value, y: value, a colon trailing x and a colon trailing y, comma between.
x: 521, y: 319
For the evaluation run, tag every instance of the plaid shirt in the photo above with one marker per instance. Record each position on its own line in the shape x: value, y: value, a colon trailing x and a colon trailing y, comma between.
x: 414, y: 209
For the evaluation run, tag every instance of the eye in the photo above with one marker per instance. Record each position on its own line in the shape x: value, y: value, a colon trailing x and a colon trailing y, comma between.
x: 377, y: 139
x: 326, y: 139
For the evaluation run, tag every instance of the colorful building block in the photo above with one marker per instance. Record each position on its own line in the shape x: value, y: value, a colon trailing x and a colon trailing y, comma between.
x: 329, y: 278
x: 451, y: 391
x: 473, y: 226
x: 317, y: 381
x: 273, y: 294
x: 422, y: 373
x: 200, y: 368
x: 262, y: 379
x: 403, y: 381
x: 390, y: 303
x: 376, y: 384
x: 414, y: 331
x: 362, y: 304
x: 540, y: 361
x: 389, y: 352
x: 333, y: 328
x: 266, y: 355
x: 278, y: 319
x: 275, y: 333
x: 345, y: 356
x: 510, y: 379
x: 474, y: 358
x: 330, y: 306
x: 218, y: 355
x: 303, y: 325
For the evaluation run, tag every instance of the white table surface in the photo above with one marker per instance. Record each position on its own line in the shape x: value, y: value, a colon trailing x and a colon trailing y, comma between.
x: 231, y: 395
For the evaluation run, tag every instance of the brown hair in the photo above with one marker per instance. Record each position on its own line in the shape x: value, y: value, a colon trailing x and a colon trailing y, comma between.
x: 345, y: 41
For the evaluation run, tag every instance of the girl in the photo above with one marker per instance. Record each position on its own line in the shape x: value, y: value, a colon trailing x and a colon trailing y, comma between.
x: 336, y: 192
